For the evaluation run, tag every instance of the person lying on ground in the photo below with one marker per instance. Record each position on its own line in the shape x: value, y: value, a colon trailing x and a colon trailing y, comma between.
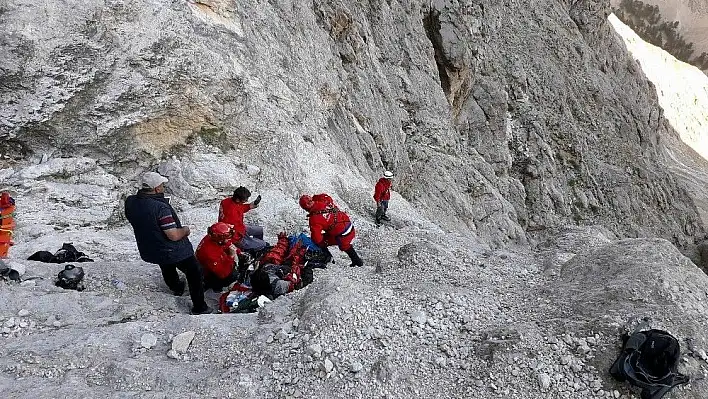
x: 330, y: 226
x: 231, y: 211
x: 276, y: 280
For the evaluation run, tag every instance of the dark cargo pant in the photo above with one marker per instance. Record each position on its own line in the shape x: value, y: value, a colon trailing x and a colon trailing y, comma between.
x: 253, y: 240
x: 193, y: 272
x: 381, y: 211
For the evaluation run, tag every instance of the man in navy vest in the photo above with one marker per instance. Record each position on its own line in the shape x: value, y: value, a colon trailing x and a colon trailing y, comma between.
x: 162, y: 239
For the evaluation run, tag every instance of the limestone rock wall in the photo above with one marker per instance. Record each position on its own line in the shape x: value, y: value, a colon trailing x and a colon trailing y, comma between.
x: 498, y: 117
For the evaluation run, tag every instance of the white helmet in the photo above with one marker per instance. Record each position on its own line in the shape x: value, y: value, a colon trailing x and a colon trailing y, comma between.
x: 388, y: 174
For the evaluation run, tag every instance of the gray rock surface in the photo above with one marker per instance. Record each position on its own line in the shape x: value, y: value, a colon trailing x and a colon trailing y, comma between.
x: 149, y: 340
x: 488, y: 128
x: 181, y: 342
x: 529, y: 151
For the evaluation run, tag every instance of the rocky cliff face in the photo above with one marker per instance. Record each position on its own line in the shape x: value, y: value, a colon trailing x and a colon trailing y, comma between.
x: 504, y: 122
x: 499, y: 118
x: 684, y: 100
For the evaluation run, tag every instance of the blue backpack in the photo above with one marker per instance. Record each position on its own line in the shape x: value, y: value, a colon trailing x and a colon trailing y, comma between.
x: 306, y: 242
x: 314, y: 255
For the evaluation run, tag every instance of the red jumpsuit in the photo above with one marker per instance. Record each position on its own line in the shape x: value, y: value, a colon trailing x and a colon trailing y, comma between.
x: 7, y: 223
x: 382, y: 190
x: 329, y: 225
x: 231, y: 212
x: 382, y: 193
x: 214, y: 259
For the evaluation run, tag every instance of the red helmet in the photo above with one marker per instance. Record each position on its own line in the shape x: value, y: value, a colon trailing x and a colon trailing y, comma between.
x: 306, y: 202
x: 220, y: 231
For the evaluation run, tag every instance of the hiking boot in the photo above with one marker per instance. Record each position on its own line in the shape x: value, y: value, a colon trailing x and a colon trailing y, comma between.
x: 386, y: 218
x: 205, y: 310
x: 356, y: 260
x: 328, y: 255
x: 180, y: 289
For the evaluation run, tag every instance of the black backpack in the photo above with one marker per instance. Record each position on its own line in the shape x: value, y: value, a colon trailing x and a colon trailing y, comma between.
x: 71, y: 277
x: 6, y: 272
x: 69, y: 253
x: 649, y: 360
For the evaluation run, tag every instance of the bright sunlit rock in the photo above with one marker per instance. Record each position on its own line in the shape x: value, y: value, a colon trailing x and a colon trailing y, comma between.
x: 682, y: 89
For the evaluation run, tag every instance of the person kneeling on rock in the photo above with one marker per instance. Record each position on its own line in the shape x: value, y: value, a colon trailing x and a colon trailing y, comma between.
x: 217, y: 255
x: 232, y: 210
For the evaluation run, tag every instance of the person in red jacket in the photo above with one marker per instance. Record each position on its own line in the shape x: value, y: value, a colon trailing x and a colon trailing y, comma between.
x: 231, y: 211
x: 7, y: 223
x: 330, y: 226
x: 217, y: 255
x: 382, y: 193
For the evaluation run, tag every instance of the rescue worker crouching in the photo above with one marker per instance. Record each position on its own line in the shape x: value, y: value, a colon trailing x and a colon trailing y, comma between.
x: 329, y: 225
x: 232, y: 210
x: 217, y: 254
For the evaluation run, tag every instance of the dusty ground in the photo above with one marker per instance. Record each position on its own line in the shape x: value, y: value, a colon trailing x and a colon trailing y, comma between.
x: 429, y: 315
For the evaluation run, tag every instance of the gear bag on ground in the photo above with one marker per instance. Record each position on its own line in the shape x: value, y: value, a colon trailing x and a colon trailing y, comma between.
x: 67, y: 253
x: 72, y: 277
x: 649, y: 360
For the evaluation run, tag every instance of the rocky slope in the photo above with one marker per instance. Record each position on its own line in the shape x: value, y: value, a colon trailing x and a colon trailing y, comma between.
x: 678, y: 26
x: 505, y: 123
x: 430, y: 316
x: 684, y: 97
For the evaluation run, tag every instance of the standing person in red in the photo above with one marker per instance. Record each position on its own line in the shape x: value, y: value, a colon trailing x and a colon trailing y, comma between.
x: 217, y: 255
x: 382, y: 193
x: 330, y: 226
x: 7, y: 222
x: 231, y: 211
